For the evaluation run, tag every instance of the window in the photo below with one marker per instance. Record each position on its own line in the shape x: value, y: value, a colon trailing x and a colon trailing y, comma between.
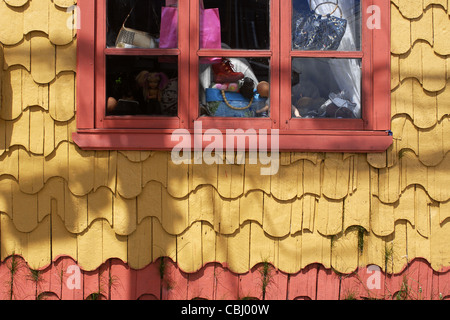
x: 317, y: 71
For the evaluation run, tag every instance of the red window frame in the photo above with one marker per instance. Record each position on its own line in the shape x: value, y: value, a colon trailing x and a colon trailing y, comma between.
x: 97, y: 131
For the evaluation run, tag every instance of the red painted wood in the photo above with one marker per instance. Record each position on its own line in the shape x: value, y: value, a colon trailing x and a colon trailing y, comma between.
x: 328, y: 284
x: 124, y: 281
x: 303, y: 284
x: 148, y: 282
x: 202, y: 283
x: 226, y: 284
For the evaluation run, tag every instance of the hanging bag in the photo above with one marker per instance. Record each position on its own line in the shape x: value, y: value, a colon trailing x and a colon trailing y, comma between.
x: 312, y: 31
x: 132, y: 38
x: 210, y: 32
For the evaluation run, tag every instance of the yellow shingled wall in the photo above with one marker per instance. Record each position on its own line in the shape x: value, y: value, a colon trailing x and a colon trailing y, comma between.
x: 341, y: 210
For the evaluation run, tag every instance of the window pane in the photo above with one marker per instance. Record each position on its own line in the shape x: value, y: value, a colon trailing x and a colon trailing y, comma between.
x: 242, y: 24
x: 142, y: 24
x: 326, y: 25
x: 141, y: 85
x: 326, y: 88
x: 244, y: 81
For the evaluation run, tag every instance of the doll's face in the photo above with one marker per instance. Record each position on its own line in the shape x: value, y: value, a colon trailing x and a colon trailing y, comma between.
x: 153, y: 82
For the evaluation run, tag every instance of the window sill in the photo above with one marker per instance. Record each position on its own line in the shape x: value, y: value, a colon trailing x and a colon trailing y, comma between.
x: 289, y: 141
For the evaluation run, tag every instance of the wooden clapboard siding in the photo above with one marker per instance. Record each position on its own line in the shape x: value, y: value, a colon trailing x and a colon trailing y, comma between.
x: 124, y: 211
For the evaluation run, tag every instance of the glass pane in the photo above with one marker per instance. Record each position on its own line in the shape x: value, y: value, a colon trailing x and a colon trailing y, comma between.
x: 326, y: 25
x: 142, y: 24
x: 235, y: 24
x: 326, y: 88
x: 243, y: 81
x: 141, y: 85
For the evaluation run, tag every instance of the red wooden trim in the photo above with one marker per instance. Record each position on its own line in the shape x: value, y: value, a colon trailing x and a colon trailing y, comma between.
x: 85, y: 65
x: 140, y: 52
x: 382, y: 69
x: 327, y: 54
x: 302, y: 141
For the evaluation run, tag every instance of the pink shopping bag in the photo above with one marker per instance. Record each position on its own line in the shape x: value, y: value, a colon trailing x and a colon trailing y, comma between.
x: 210, y: 32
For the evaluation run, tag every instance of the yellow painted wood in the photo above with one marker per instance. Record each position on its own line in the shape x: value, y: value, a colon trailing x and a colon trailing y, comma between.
x: 411, y: 63
x: 33, y: 94
x: 202, y: 174
x: 12, y: 99
x: 427, y: 3
x: 105, y: 166
x: 437, y: 184
x: 64, y: 3
x: 401, y: 99
x: 309, y: 210
x: 202, y: 205
x: 402, y: 209
x: 424, y: 104
x: 90, y: 246
x: 43, y: 62
x: 284, y: 185
x: 25, y: 210
x: 413, y: 171
x: 16, y: 3
x: 296, y: 223
x: 189, y: 248
x: 114, y: 245
x: 410, y: 9
x: 100, y: 205
x: 312, y: 177
x: 155, y: 168
x: 418, y: 245
x: 13, y: 241
x: 402, y: 26
x: 36, y: 17
x: 251, y: 207
x: 441, y: 28
x: 38, y: 246
x: 18, y: 54
x: 329, y: 216
x: 62, y: 95
x: 129, y: 173
x: 444, y: 211
x: 357, y: 204
x: 443, y: 100
x: 433, y: 68
x: 58, y: 32
x: 431, y: 145
x: 230, y: 180
x: 439, y: 239
x: 315, y: 249
x: 56, y: 164
x: 389, y: 184
x: 254, y: 180
x: 335, y: 176
x: 66, y: 57
x: 373, y: 251
x: 31, y: 175
x: 226, y: 214
x: 5, y: 194
x: 422, y: 29
x: 395, y: 71
x: 81, y: 164
x: 174, y: 213
x: 399, y: 250
x: 210, y: 244
x: 140, y: 245
x: 124, y: 215
x: 163, y: 243
x: 406, y: 135
x: 422, y: 213
x: 75, y: 212
x: 149, y: 202
x: 238, y: 250
x: 63, y: 242
x: 177, y: 179
x: 381, y: 217
x: 263, y: 247
x: 51, y: 198
x: 344, y: 251
x: 290, y: 253
x: 277, y: 217
x: 11, y: 24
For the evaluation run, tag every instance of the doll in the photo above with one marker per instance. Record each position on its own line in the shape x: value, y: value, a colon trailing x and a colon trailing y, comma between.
x: 152, y: 84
